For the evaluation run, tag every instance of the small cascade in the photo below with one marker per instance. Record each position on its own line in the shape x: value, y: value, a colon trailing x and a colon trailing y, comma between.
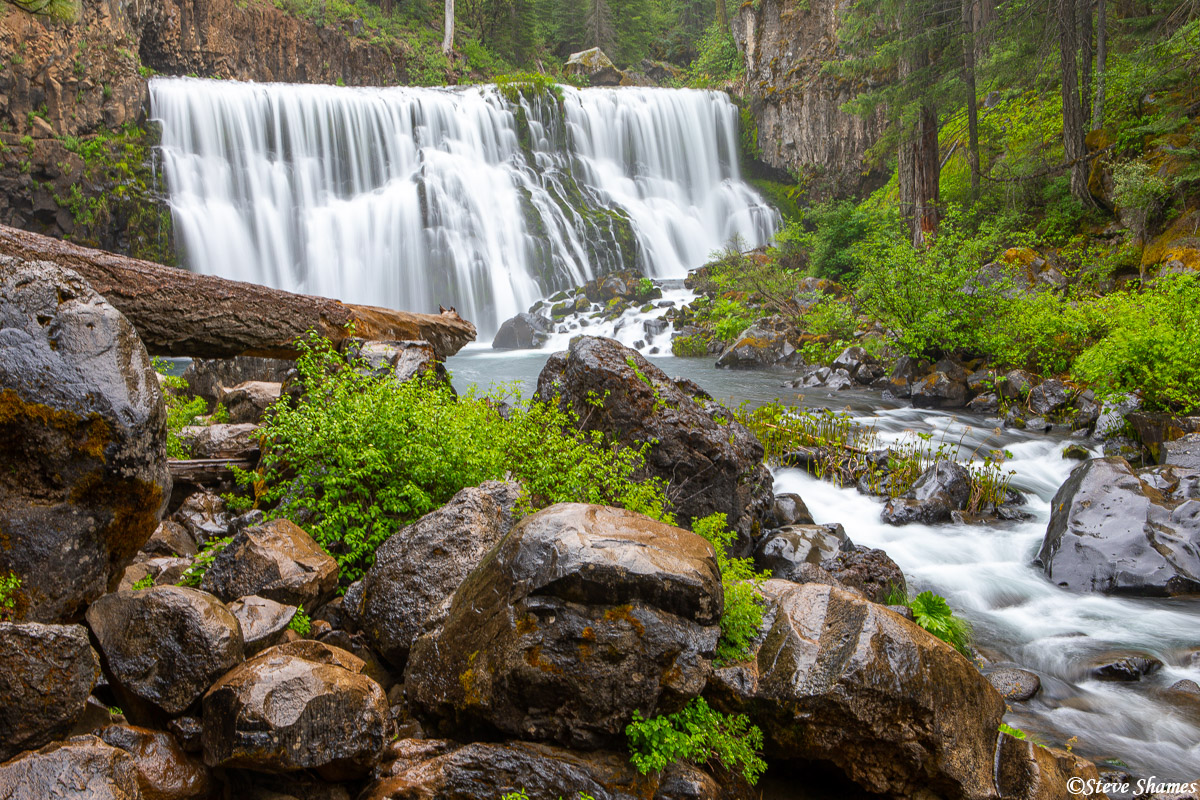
x: 413, y: 197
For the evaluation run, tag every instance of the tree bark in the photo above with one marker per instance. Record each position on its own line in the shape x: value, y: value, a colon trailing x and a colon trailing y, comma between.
x: 1083, y: 15
x: 1073, y: 144
x: 1101, y: 64
x: 968, y: 18
x: 180, y: 313
x: 722, y: 14
x: 448, y: 39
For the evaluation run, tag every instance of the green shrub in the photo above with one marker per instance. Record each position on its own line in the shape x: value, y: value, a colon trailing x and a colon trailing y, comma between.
x: 10, y: 584
x: 359, y: 457
x: 729, y: 318
x: 1152, y: 345
x: 718, y: 62
x: 182, y: 409
x: 837, y: 227
x: 145, y: 582
x: 934, y: 614
x: 1139, y: 193
x: 300, y: 623
x: 1039, y: 331
x: 194, y: 574
x: 699, y: 735
x: 829, y: 316
x: 743, y: 617
x: 692, y: 346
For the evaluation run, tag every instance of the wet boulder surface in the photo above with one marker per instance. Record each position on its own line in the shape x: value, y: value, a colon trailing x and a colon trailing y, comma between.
x: 84, y: 478
x: 164, y: 770
x: 418, y: 568
x: 277, y: 560
x: 79, y: 767
x: 302, y: 705
x: 579, y: 616
x: 1112, y: 531
x: 164, y: 646
x: 46, y: 675
x: 710, y: 461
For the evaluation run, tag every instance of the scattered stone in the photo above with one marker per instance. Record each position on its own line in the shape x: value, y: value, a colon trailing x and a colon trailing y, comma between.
x: 400, y: 360
x: 711, y: 461
x: 939, y: 390
x: 594, y: 65
x: 418, y: 568
x: 170, y: 539
x: 1048, y: 397
x: 986, y: 403
x: 208, y: 377
x: 1112, y: 532
x: 579, y: 616
x: 1015, y: 684
x: 277, y: 560
x: 1183, y: 452
x: 525, y: 331
x: 263, y: 621
x: 1016, y: 385
x: 867, y: 570
x: 83, y: 437
x: 248, y: 401
x: 292, y: 708
x: 1111, y: 419
x: 223, y: 441
x: 188, y: 732
x: 789, y: 509
x: 165, y: 770
x: 757, y: 347
x: 80, y: 767
x: 1029, y: 771
x: 942, y: 489
x: 1130, y: 666
x: 784, y: 551
x: 204, y: 516
x: 1076, y: 452
x: 46, y: 675
x: 164, y: 645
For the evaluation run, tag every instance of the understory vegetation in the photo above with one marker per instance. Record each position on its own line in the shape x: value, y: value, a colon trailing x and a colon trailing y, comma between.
x: 933, y: 613
x: 359, y: 456
x: 699, y: 735
x: 742, y: 619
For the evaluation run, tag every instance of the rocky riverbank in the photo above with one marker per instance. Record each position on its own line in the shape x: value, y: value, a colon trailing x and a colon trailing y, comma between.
x: 488, y: 649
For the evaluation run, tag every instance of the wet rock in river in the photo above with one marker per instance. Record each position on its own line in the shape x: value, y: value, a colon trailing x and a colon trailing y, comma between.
x: 1015, y: 684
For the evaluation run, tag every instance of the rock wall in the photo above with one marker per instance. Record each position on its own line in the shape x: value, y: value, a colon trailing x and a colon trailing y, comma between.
x: 801, y: 127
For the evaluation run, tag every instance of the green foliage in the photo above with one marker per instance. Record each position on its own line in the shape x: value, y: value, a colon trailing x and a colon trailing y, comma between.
x: 182, y: 409
x: 300, y: 623
x: 693, y: 346
x: 934, y: 614
x: 60, y: 10
x: 1139, y: 192
x: 145, y: 582
x: 531, y: 83
x: 358, y: 457
x: 718, y: 62
x: 1016, y: 733
x: 699, y: 735
x: 1151, y: 345
x: 837, y: 226
x: 743, y: 617
x: 194, y: 574
x: 10, y: 584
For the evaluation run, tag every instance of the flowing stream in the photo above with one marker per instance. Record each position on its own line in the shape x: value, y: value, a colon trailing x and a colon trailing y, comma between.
x: 412, y: 198
x: 1019, y: 617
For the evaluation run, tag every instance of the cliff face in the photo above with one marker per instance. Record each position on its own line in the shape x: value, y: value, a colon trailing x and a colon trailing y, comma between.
x: 801, y: 127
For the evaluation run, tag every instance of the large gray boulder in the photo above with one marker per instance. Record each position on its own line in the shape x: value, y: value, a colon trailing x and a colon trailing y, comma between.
x: 46, y: 675
x: 1110, y: 531
x: 943, y: 488
x: 579, y: 616
x: 843, y: 681
x: 711, y: 462
x: 277, y: 560
x: 303, y: 705
x: 82, y: 767
x: 525, y: 331
x: 418, y: 568
x: 82, y: 440
x: 164, y: 646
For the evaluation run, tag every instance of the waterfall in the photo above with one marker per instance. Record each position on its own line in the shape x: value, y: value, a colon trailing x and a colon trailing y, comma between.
x: 414, y: 197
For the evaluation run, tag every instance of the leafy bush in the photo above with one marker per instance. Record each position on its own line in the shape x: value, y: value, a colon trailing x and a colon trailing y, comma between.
x: 10, y: 584
x: 719, y: 63
x: 692, y: 346
x: 194, y: 574
x: 1040, y: 331
x: 743, y: 617
x: 699, y: 735
x: 837, y: 227
x: 358, y: 457
x: 1152, y: 345
x: 300, y: 623
x: 933, y: 613
x: 1139, y: 193
x: 829, y: 316
x: 145, y: 582
x: 182, y: 409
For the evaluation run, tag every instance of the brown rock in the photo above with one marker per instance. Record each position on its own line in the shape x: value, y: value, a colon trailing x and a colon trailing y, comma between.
x: 46, y: 675
x: 280, y: 712
x: 165, y: 771
x: 276, y: 560
x: 1026, y: 771
x: 165, y: 645
x: 204, y: 516
x: 579, y: 616
x: 263, y: 621
x: 224, y: 441
x: 248, y: 401
x: 170, y: 539
x: 82, y: 767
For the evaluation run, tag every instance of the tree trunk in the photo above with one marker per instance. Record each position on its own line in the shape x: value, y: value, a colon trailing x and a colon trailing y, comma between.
x: 448, y: 39
x: 1072, y: 110
x: 180, y: 313
x: 1083, y: 15
x: 968, y: 18
x: 1101, y: 64
x: 722, y: 15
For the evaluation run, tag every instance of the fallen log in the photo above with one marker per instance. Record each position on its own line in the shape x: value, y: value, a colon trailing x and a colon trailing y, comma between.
x: 180, y: 313
x: 206, y: 470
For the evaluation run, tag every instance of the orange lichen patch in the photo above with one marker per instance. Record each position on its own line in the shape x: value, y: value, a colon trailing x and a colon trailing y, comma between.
x: 468, y: 680
x: 134, y: 504
x: 1021, y: 255
x: 527, y: 624
x: 1180, y: 242
x: 588, y: 634
x: 533, y: 657
x: 625, y: 614
x: 90, y: 435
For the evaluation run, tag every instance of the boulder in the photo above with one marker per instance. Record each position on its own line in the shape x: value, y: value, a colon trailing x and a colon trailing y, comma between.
x: 711, y: 462
x: 843, y: 681
x: 82, y: 438
x: 594, y: 65
x: 241, y: 441
x: 165, y: 645
x: 437, y: 768
x: 784, y: 552
x: 248, y: 401
x: 263, y: 622
x: 1016, y: 385
x: 81, y: 767
x: 208, y: 377
x: 1183, y: 452
x: 943, y: 488
x: 986, y: 403
x: 1111, y: 419
x: 204, y: 516
x: 1123, y: 666
x: 867, y: 570
x: 1028, y: 771
x: 525, y: 331
x: 293, y: 707
x: 418, y: 568
x: 400, y: 360
x: 276, y: 560
x: 1048, y: 397
x: 580, y: 615
x: 1015, y: 684
x: 757, y: 347
x: 170, y: 539
x: 1112, y: 532
x: 46, y: 675
x: 938, y: 390
x: 165, y: 771
x: 788, y: 509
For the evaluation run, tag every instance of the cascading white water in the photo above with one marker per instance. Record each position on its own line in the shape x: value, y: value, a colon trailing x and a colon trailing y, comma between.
x: 411, y: 198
